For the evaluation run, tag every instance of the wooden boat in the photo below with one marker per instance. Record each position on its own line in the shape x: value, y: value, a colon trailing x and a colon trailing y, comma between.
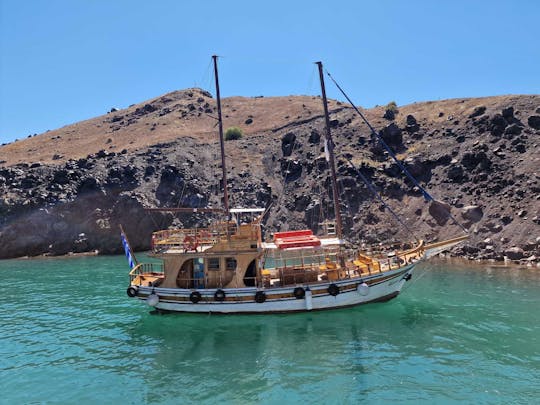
x: 228, y: 268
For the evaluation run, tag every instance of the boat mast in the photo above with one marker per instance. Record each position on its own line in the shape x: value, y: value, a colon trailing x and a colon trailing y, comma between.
x: 221, y: 141
x: 331, y: 161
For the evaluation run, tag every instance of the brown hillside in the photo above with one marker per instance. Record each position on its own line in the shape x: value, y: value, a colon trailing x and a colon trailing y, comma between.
x: 192, y: 112
x: 174, y: 115
x: 67, y: 190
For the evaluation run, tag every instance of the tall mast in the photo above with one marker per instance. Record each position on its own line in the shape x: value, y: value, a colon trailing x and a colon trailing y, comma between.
x: 330, y: 149
x: 221, y: 141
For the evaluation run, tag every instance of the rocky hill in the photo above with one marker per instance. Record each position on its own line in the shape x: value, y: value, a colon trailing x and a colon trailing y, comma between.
x: 67, y: 190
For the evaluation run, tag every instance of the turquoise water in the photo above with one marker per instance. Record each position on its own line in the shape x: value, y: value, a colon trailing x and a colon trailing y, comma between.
x: 456, y: 335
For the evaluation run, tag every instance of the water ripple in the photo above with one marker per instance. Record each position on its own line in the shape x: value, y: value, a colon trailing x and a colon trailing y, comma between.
x: 457, y: 335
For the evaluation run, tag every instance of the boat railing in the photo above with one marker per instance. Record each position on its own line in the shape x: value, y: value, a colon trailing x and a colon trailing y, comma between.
x: 435, y: 248
x: 374, y: 262
x: 190, y: 238
x: 304, y: 268
x: 203, y: 282
x: 146, y: 269
x: 300, y: 275
x: 306, y: 274
x: 247, y: 231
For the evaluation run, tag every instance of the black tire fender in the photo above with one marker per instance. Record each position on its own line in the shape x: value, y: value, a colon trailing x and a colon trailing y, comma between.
x: 195, y: 297
x: 333, y: 289
x: 219, y: 295
x: 299, y: 293
x: 132, y: 291
x: 260, y: 297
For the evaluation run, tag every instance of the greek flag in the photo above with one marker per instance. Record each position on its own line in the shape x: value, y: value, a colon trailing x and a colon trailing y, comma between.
x: 127, y: 249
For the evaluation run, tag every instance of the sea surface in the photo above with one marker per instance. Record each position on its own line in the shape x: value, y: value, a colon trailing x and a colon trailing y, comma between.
x: 457, y: 334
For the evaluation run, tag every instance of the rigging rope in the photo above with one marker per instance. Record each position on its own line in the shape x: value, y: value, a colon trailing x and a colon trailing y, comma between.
x: 379, y: 197
x: 415, y: 279
x: 311, y: 80
x: 206, y: 77
x: 426, y: 195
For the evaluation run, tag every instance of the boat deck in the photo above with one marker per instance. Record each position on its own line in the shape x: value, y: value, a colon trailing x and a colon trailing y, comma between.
x: 147, y: 279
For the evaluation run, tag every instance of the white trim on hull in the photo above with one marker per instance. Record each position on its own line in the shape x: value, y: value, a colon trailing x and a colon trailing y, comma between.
x: 382, y: 287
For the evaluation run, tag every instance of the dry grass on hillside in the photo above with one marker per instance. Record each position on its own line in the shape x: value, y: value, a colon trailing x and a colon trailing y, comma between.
x: 192, y: 113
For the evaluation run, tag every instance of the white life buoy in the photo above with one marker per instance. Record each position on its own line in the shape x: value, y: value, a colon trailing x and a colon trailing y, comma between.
x: 363, y: 289
x: 309, y: 299
x: 152, y: 300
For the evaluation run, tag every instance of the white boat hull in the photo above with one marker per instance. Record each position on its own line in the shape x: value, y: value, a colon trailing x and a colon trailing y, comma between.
x: 352, y: 292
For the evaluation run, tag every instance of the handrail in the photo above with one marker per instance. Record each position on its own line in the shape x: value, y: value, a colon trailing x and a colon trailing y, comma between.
x: 446, y: 242
x: 431, y: 249
x: 145, y: 268
x: 188, y: 237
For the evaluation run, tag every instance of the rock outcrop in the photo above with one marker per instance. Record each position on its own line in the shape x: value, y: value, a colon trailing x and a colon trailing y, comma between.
x: 478, y: 157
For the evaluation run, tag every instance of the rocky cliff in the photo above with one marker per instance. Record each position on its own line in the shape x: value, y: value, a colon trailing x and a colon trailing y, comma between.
x: 67, y: 190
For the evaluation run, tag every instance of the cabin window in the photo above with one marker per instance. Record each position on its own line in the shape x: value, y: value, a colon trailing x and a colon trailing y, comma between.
x: 230, y: 263
x: 213, y: 264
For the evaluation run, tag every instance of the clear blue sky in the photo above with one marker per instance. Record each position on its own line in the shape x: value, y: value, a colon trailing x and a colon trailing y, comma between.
x: 62, y: 61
